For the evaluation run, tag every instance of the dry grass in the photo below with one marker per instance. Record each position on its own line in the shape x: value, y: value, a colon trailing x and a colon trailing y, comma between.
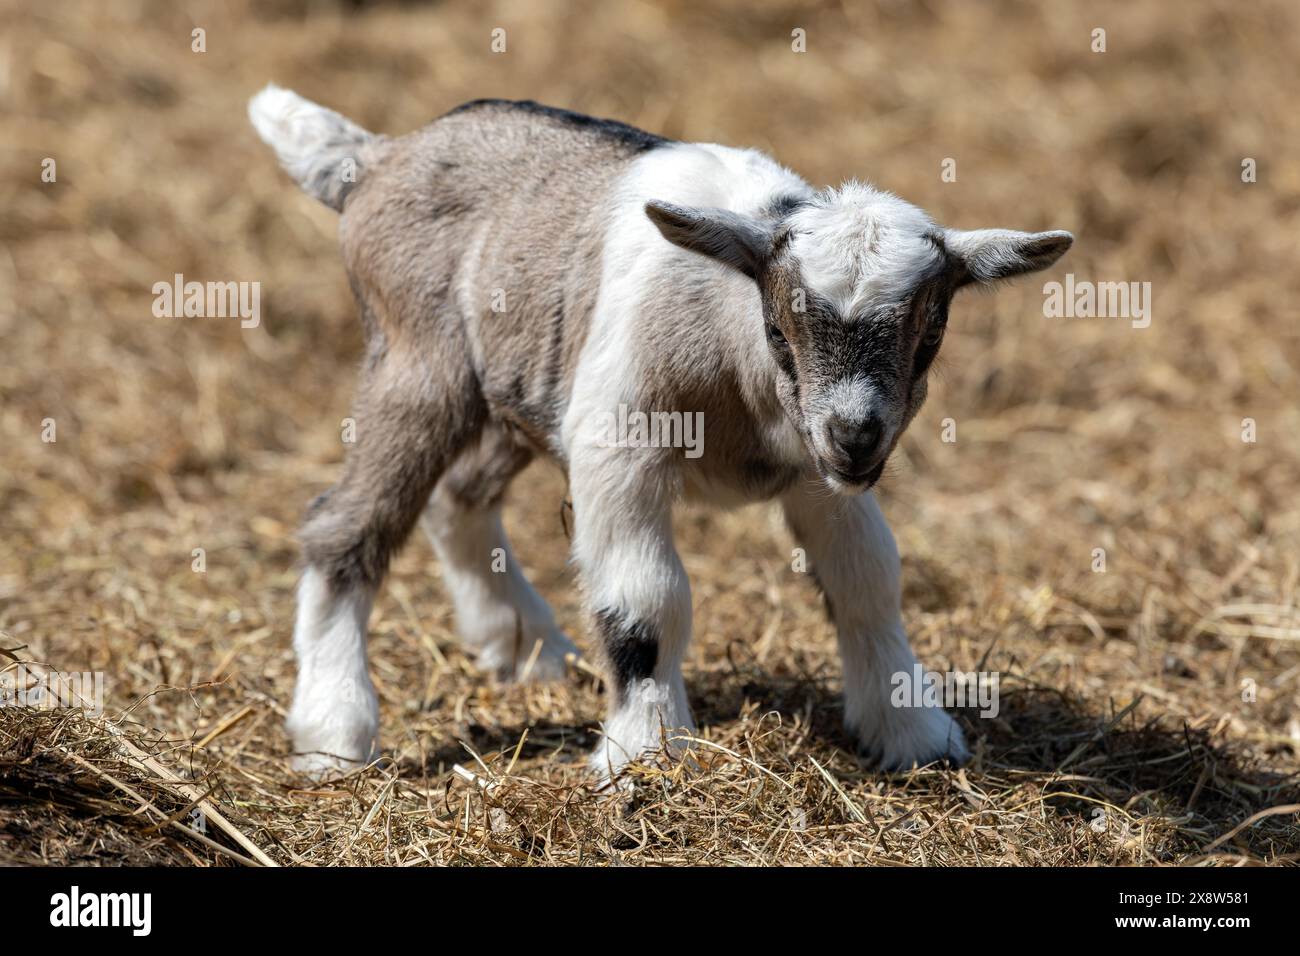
x: 1121, y: 690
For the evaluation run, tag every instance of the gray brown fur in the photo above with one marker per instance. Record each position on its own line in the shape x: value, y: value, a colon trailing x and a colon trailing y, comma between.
x: 441, y: 219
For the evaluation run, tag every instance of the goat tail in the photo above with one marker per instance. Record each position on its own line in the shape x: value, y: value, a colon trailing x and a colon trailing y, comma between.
x: 324, y: 152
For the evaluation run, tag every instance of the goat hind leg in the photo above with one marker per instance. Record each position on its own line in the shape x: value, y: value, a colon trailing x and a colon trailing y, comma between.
x: 500, y: 617
x: 412, y: 420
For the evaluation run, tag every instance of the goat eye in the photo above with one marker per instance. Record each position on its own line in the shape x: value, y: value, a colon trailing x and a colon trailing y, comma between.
x: 932, y: 337
x: 775, y: 336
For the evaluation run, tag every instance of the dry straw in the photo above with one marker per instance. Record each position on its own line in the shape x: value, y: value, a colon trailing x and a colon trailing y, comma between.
x: 1147, y: 713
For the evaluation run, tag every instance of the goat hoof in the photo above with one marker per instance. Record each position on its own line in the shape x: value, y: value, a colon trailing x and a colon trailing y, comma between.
x: 530, y: 664
x: 923, y: 736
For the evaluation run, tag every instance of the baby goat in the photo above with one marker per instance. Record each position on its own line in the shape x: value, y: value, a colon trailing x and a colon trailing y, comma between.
x: 523, y: 273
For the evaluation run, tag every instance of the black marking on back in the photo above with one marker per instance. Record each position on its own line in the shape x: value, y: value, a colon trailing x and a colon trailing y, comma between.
x: 631, y: 646
x: 636, y: 139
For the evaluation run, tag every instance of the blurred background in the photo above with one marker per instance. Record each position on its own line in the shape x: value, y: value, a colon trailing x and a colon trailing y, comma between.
x: 1073, y: 435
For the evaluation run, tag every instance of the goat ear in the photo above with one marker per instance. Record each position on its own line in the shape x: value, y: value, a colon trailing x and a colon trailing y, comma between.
x: 987, y: 255
x: 737, y: 240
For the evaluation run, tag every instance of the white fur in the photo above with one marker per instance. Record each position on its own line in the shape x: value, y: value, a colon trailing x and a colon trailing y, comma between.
x: 310, y: 141
x: 654, y: 717
x: 856, y: 561
x: 624, y: 547
x: 334, y: 719
x: 857, y: 244
x: 623, y: 498
x: 498, y: 613
x: 640, y: 270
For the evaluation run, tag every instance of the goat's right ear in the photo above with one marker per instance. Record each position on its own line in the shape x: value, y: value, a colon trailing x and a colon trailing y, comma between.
x: 740, y: 241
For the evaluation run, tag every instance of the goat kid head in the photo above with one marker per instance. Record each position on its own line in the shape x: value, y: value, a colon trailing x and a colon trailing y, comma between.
x: 855, y: 286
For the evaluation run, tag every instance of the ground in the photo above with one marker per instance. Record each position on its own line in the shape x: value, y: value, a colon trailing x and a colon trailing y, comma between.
x: 1113, y: 531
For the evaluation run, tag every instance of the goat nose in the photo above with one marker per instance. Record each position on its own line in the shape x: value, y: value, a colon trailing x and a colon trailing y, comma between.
x: 858, y: 441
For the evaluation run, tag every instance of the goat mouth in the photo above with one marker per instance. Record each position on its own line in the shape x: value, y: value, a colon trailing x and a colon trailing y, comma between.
x: 857, y: 479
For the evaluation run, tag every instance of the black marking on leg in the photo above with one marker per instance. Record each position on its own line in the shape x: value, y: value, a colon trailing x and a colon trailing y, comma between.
x: 632, y: 648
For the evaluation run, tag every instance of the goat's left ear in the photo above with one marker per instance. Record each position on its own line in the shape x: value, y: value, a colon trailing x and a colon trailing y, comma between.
x: 987, y: 255
x: 734, y: 239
